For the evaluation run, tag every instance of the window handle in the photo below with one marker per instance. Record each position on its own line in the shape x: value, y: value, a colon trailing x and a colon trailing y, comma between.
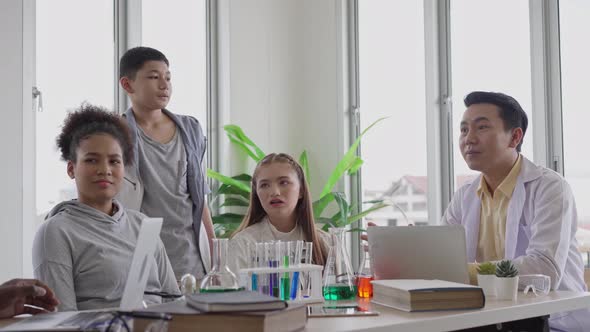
x: 39, y: 96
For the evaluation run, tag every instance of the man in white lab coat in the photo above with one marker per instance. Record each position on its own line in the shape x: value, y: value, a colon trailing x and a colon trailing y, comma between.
x: 515, y: 209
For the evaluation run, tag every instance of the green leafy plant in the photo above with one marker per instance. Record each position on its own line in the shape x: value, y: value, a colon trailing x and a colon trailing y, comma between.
x: 487, y: 268
x: 505, y: 269
x: 235, y: 190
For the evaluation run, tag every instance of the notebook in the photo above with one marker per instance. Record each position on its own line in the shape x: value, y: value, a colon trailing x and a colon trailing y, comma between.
x: 234, y: 301
x: 132, y: 295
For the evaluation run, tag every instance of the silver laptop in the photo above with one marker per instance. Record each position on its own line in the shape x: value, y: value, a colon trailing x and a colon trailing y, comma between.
x: 132, y: 295
x: 418, y: 252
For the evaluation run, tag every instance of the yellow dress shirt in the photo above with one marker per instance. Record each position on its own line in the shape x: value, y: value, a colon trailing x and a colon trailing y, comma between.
x: 492, y: 225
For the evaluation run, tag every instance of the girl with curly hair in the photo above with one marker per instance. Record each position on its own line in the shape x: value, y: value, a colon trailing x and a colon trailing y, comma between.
x: 84, y: 249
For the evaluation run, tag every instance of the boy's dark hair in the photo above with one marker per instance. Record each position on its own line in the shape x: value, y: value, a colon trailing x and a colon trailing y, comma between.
x: 134, y: 58
x: 89, y: 120
x: 510, y: 110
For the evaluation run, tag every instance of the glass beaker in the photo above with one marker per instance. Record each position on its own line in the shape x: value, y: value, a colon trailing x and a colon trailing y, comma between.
x: 338, y: 276
x: 220, y: 278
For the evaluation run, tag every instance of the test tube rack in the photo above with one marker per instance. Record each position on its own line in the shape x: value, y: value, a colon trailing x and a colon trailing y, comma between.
x: 315, y: 275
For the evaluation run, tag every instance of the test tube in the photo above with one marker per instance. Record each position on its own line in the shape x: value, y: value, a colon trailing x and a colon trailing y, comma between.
x: 285, y: 256
x: 261, y: 262
x: 296, y: 249
x: 273, y: 262
x: 276, y: 286
x: 306, y: 277
x: 253, y: 262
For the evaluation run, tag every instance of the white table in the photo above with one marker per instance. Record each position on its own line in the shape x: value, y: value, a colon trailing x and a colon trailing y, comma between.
x: 495, y: 311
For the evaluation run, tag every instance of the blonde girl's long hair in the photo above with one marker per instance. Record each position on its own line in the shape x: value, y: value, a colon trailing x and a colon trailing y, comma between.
x: 303, y: 210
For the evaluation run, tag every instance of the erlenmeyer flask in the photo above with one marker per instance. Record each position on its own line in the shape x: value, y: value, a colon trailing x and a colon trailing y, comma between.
x: 338, y: 277
x: 364, y: 277
x: 220, y: 278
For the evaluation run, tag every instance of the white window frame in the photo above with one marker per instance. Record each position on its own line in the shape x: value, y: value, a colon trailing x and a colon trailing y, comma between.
x: 546, y: 84
x: 438, y: 103
x: 128, y: 25
x: 214, y: 118
x: 17, y: 200
x: 439, y: 108
x: 348, y: 26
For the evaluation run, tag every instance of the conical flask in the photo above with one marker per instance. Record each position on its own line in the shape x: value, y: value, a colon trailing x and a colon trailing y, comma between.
x: 220, y: 278
x: 364, y: 276
x: 338, y: 276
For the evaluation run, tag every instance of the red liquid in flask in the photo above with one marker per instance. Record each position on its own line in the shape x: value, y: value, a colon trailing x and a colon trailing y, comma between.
x: 365, y: 288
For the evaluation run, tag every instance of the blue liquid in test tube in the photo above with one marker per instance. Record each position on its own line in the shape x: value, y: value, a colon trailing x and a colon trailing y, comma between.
x: 254, y: 281
x: 294, y: 285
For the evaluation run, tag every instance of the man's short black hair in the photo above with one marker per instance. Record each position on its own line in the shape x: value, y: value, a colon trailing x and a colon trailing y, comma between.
x: 510, y: 110
x: 90, y: 120
x: 132, y: 61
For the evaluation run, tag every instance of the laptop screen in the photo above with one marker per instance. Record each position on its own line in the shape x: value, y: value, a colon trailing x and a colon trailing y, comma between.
x: 419, y: 252
x: 148, y: 237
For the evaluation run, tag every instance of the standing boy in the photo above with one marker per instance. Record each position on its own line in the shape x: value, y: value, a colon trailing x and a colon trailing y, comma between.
x: 167, y: 180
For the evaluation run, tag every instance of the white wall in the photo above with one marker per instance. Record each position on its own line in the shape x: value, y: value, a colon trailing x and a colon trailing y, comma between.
x: 280, y: 60
x: 16, y: 138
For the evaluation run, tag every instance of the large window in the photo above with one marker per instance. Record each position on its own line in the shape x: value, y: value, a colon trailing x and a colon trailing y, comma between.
x: 575, y: 70
x: 490, y: 46
x: 74, y: 64
x: 178, y: 29
x: 391, y: 78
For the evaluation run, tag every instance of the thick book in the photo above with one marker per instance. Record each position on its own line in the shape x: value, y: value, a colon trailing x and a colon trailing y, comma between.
x: 427, y: 295
x: 186, y: 318
x: 234, y: 301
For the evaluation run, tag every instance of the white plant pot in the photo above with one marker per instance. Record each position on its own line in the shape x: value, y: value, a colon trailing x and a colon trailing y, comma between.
x: 487, y: 282
x: 507, y: 288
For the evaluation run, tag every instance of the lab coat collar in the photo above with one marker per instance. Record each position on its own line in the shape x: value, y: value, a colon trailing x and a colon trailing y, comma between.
x: 528, y: 172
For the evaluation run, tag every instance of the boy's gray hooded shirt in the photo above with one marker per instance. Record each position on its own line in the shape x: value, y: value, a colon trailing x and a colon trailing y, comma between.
x: 188, y: 250
x: 84, y: 255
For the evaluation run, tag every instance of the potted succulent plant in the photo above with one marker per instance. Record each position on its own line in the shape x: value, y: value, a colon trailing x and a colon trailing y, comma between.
x: 507, y: 280
x: 486, y: 278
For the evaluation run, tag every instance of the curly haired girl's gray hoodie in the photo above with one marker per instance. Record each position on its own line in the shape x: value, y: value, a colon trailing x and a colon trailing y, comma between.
x: 84, y: 255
